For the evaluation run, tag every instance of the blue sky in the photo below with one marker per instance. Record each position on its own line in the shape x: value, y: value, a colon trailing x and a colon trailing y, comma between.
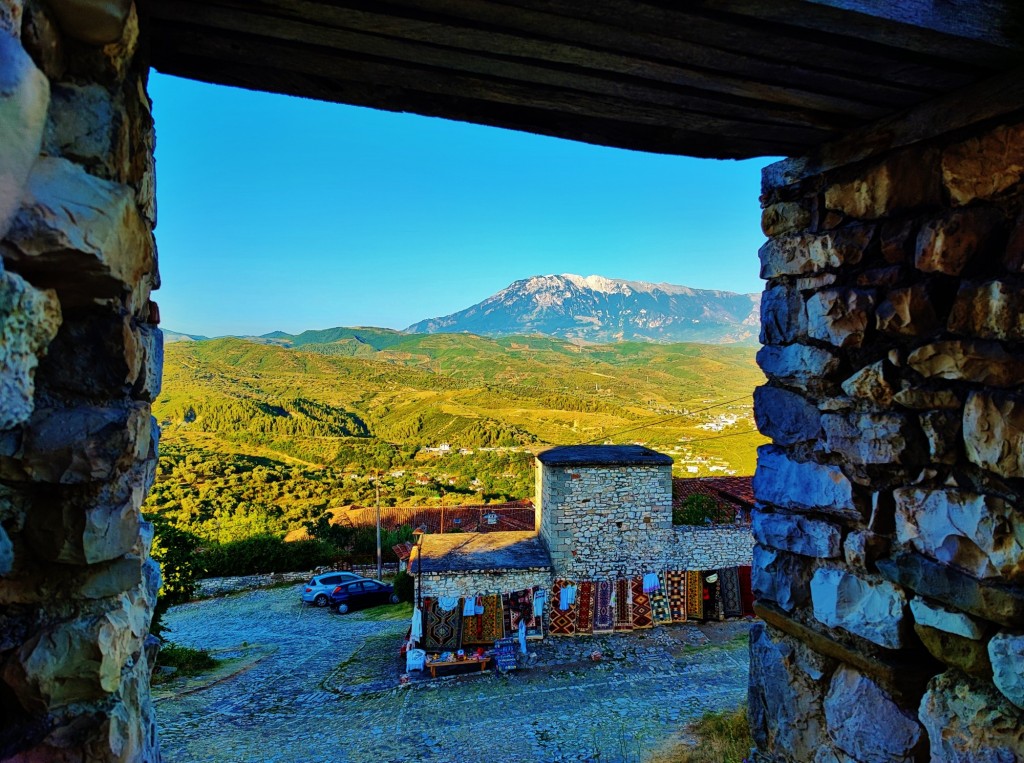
x: 291, y: 214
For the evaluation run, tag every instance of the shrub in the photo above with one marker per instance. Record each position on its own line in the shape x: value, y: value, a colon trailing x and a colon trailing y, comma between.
x: 701, y: 510
x: 404, y: 586
x: 186, y: 661
x: 267, y: 553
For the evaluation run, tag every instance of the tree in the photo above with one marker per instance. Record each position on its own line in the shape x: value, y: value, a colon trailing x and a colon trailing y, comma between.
x: 175, y: 550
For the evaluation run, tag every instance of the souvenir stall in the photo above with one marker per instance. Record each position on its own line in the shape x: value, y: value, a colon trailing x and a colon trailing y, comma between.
x: 595, y: 607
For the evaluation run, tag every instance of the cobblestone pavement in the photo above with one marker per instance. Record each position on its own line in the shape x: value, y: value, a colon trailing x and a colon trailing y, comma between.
x: 329, y: 692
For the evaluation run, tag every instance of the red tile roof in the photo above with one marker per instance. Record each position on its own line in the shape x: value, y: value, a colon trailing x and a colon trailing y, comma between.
x: 512, y: 516
x: 734, y: 494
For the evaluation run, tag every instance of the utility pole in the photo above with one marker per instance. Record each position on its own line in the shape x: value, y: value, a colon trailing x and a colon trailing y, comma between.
x: 380, y: 561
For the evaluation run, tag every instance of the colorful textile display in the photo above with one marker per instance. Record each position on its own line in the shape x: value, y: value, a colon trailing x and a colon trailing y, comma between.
x: 604, y: 612
x: 694, y: 594
x: 746, y: 592
x: 561, y: 622
x: 520, y: 606
x: 623, y: 605
x: 729, y: 590
x: 585, y: 608
x: 641, y: 604
x: 675, y: 588
x: 442, y: 630
x: 487, y: 627
x: 659, y: 604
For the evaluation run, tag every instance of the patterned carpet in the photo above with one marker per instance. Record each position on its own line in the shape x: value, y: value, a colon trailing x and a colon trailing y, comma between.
x: 659, y: 604
x: 675, y: 586
x: 561, y: 622
x: 641, y: 605
x: 604, y: 612
x: 442, y: 630
x: 623, y: 605
x: 585, y: 608
x: 746, y: 592
x: 729, y: 589
x: 694, y: 595
x: 485, y: 628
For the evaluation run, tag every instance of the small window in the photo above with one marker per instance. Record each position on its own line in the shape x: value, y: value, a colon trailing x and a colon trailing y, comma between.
x: 491, y: 518
x: 457, y: 521
x: 354, y: 587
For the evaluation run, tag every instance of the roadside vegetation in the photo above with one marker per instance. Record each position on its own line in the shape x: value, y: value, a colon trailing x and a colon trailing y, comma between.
x: 185, y: 661
x: 722, y: 737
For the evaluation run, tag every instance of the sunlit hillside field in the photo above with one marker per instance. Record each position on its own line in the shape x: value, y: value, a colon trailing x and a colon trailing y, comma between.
x: 285, y: 428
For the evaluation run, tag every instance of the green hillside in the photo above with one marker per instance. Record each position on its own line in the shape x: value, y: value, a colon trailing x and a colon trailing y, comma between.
x: 261, y: 437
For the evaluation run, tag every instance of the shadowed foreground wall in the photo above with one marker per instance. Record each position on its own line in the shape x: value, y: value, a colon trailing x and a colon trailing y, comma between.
x: 890, y: 537
x: 80, y: 361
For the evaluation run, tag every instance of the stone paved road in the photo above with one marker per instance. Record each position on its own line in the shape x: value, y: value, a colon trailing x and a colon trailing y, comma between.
x: 328, y: 693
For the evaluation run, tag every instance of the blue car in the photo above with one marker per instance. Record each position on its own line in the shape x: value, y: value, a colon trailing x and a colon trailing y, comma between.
x: 360, y: 594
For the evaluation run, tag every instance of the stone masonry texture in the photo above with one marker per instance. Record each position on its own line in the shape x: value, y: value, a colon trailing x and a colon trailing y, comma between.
x: 80, y: 362
x: 890, y: 541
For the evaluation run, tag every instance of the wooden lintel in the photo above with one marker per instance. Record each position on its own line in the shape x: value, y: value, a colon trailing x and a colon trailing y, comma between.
x: 998, y: 97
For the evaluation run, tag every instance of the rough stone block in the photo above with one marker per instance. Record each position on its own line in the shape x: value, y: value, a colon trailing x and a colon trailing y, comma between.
x: 96, y: 22
x: 798, y: 364
x: 903, y: 180
x: 785, y: 697
x: 942, y: 430
x: 784, y: 217
x: 874, y: 610
x: 945, y: 619
x: 865, y: 722
x: 6, y: 553
x: 863, y: 548
x: 874, y: 384
x: 980, y: 534
x: 796, y: 534
x: 952, y: 243
x: 980, y: 361
x: 994, y: 432
x: 83, y: 236
x: 985, y: 165
x: 1006, y: 653
x: 24, y: 98
x: 968, y: 720
x: 86, y: 444
x: 928, y: 399
x: 990, y: 310
x: 86, y: 124
x: 909, y: 311
x: 95, y: 356
x: 998, y: 603
x: 782, y: 316
x: 780, y: 578
x: 955, y: 651
x: 42, y: 40
x: 785, y: 416
x: 29, y: 319
x: 871, y: 438
x: 784, y: 482
x: 894, y: 240
x: 805, y: 253
x: 151, y: 344
x: 840, y: 316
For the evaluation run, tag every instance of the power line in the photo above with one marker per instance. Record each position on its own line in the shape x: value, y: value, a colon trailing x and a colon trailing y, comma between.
x: 719, y: 437
x: 663, y: 421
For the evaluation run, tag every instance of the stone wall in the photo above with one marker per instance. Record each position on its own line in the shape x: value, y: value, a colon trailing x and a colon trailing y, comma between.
x: 472, y: 582
x: 80, y: 360
x: 602, y: 522
x: 889, y: 562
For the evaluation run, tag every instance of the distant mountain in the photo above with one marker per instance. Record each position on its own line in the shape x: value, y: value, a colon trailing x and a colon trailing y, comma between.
x: 601, y: 310
x: 175, y: 336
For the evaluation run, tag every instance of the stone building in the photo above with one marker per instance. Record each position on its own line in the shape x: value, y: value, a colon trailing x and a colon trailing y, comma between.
x: 603, y: 511
x: 889, y: 555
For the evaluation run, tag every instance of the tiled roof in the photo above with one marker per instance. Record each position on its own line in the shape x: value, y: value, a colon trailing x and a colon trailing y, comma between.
x: 735, y: 493
x: 454, y: 552
x: 512, y: 516
x: 602, y: 455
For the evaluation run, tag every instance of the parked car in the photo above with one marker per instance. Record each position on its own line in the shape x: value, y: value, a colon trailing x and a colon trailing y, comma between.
x: 318, y: 590
x: 362, y: 593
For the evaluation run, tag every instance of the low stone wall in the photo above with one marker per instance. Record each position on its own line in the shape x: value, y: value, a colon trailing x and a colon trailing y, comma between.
x: 210, y: 587
x: 708, y: 548
x: 889, y: 563
x: 472, y: 582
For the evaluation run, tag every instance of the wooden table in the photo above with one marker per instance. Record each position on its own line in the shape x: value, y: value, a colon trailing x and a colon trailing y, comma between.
x: 483, y: 663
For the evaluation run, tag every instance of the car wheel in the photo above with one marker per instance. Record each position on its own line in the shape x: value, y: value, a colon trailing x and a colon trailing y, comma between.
x: 320, y: 600
x: 343, y: 609
x: 394, y: 598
